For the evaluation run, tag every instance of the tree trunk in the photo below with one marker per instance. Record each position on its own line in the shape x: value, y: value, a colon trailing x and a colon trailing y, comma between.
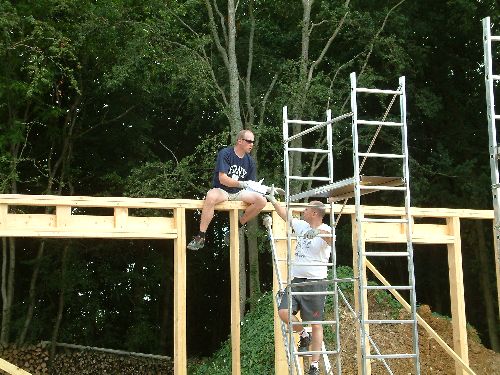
x: 32, y: 293
x: 60, y: 310
x: 484, y: 281
x: 233, y: 76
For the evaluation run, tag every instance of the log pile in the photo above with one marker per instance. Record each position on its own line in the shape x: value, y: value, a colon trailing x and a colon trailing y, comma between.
x: 35, y: 360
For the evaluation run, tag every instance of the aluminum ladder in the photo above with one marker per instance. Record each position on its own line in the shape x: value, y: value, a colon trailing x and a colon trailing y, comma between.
x: 361, y: 221
x: 307, y: 127
x: 490, y: 79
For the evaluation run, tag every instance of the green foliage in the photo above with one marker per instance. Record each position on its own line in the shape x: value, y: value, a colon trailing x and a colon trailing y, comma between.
x: 257, y: 344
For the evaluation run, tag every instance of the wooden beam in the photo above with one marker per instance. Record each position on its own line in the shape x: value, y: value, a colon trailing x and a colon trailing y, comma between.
x: 421, y: 321
x: 9, y: 368
x: 86, y: 201
x: 360, y: 298
x: 180, y: 346
x: 456, y: 275
x: 234, y: 260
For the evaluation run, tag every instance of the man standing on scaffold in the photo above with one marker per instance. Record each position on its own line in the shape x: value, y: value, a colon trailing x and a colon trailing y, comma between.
x: 310, y: 249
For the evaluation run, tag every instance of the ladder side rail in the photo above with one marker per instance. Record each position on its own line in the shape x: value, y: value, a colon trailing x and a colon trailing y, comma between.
x: 290, y: 354
x: 409, y: 223
x: 492, y: 135
x: 357, y: 198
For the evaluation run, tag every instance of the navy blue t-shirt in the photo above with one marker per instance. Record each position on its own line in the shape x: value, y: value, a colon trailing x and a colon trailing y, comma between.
x: 239, y: 169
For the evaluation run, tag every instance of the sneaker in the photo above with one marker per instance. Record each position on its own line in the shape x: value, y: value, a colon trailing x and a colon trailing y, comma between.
x: 196, y: 243
x: 313, y: 370
x: 304, y: 343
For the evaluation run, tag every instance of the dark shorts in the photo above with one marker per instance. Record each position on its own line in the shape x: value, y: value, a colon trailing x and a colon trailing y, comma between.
x: 311, y: 307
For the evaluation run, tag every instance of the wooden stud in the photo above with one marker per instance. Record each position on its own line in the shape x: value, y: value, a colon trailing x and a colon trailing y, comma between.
x: 180, y: 346
x: 4, y: 209
x: 121, y: 216
x: 279, y: 233
x: 364, y: 295
x: 63, y: 217
x: 457, y: 294
x: 234, y: 260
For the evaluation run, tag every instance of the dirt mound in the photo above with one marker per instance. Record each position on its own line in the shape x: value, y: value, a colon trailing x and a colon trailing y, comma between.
x: 397, y: 338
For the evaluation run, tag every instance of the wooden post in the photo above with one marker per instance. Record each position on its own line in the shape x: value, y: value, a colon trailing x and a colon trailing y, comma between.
x: 279, y: 233
x: 234, y: 260
x: 121, y: 215
x: 359, y: 237
x: 12, y: 369
x: 457, y: 294
x: 180, y: 347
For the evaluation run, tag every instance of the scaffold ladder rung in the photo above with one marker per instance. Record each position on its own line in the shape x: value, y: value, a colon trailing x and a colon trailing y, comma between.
x: 381, y: 123
x: 389, y: 321
x: 377, y: 155
x: 383, y: 287
x: 390, y: 356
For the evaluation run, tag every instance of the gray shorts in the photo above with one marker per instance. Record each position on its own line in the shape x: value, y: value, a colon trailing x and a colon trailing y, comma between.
x: 231, y: 196
x: 311, y: 307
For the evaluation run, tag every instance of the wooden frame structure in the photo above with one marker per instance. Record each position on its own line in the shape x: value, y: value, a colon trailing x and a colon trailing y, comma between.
x: 68, y: 219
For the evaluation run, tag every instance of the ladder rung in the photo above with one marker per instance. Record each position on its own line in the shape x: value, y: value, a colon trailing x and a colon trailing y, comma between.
x: 311, y: 352
x: 368, y: 220
x: 497, y: 117
x: 325, y: 293
x: 375, y: 155
x: 309, y: 178
x: 316, y: 150
x: 495, y: 38
x: 389, y: 356
x: 378, y: 91
x: 384, y: 287
x: 381, y: 187
x: 306, y: 122
x: 387, y: 321
x: 495, y: 76
x: 384, y: 123
x: 386, y: 253
x: 314, y: 322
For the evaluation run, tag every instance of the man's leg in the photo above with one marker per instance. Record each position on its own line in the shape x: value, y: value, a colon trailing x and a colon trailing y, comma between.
x: 317, y: 340
x: 256, y: 203
x: 214, y: 197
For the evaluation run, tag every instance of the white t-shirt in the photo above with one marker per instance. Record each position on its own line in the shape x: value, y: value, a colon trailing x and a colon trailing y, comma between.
x: 316, y: 250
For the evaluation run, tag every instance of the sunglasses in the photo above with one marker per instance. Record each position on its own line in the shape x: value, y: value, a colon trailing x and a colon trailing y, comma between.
x: 248, y: 140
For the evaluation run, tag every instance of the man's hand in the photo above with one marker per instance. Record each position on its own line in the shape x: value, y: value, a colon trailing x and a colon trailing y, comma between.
x: 311, y: 233
x: 243, y: 184
x: 275, y: 189
x: 270, y: 194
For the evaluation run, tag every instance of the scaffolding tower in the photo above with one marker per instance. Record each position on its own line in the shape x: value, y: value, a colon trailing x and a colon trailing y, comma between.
x: 354, y: 187
x: 491, y: 82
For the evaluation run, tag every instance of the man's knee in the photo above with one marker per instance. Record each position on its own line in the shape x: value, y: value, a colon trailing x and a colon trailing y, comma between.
x: 283, y: 314
x: 215, y: 196
x: 260, y: 201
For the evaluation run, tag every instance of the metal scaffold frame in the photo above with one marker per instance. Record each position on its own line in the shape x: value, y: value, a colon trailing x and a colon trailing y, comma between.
x: 490, y: 80
x: 355, y: 187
